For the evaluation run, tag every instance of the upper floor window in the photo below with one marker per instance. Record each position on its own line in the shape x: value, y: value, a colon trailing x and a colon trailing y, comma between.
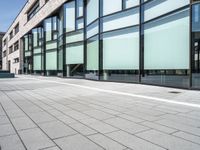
x: 16, y: 28
x: 4, y: 42
x: 16, y: 60
x: 10, y: 49
x: 33, y: 10
x: 16, y: 46
x: 11, y: 35
x: 4, y: 53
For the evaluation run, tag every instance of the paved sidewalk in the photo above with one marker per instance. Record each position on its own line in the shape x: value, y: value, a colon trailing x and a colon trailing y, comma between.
x: 49, y: 113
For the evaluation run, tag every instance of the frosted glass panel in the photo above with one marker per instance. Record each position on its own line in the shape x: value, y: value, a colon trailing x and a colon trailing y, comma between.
x: 121, y: 50
x: 37, y: 62
x: 131, y: 3
x: 48, y: 36
x: 92, y: 10
x: 74, y: 55
x: 70, y: 16
x: 80, y: 24
x: 159, y: 7
x: 60, y: 60
x: 166, y: 43
x: 51, y: 61
x: 111, y: 6
x: 26, y: 43
x: 128, y: 18
x: 37, y: 50
x: 28, y: 53
x: 52, y: 45
x: 92, y: 29
x: 93, y: 55
x: 74, y: 38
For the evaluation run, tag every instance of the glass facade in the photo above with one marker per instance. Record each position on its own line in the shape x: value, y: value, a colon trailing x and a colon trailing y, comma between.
x: 142, y: 41
x: 196, y: 45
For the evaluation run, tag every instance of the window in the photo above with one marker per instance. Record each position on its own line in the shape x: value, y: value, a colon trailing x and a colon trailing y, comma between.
x: 70, y: 16
x: 33, y: 10
x: 93, y: 54
x: 92, y: 10
x: 16, y: 28
x: 196, y: 18
x: 51, y: 60
x: 74, y: 54
x: 11, y: 35
x: 166, y: 42
x: 16, y: 60
x: 111, y: 6
x: 121, y: 20
x: 4, y: 53
x: 10, y: 49
x: 16, y: 46
x: 26, y: 43
x: 79, y: 9
x: 130, y: 3
x: 121, y: 49
x: 4, y: 42
x: 156, y: 8
x: 51, y: 28
x: 37, y: 62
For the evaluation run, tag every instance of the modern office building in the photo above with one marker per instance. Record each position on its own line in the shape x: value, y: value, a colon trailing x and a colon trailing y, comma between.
x: 141, y: 41
x: 1, y: 37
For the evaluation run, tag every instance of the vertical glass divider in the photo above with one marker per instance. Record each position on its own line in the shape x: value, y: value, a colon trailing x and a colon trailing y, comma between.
x: 141, y: 49
x: 190, y: 53
x: 100, y: 40
x: 85, y: 37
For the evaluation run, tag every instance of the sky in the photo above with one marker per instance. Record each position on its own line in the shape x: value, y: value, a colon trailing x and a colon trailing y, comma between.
x: 9, y: 9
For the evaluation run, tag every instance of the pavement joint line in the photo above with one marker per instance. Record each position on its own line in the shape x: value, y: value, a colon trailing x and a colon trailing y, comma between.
x: 118, y: 129
x: 94, y: 130
x: 125, y: 94
x: 16, y: 132
x: 60, y: 121
x: 30, y: 119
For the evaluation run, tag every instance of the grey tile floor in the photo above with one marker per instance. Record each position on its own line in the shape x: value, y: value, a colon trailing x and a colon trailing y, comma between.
x: 40, y: 113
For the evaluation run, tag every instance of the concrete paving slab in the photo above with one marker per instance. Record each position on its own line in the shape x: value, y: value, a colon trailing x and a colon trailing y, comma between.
x: 77, y: 142
x: 168, y: 141
x: 35, y: 139
x: 11, y: 142
x: 56, y: 129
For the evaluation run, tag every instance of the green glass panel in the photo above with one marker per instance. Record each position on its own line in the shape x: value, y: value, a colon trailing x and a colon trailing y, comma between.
x: 51, y: 60
x: 52, y: 45
x: 70, y: 16
x: 48, y: 36
x: 60, y: 59
x: 74, y: 55
x: 37, y: 50
x: 27, y: 54
x: 93, y: 55
x: 166, y: 43
x: 35, y: 39
x: 26, y: 43
x: 37, y: 62
x: 74, y: 38
x: 121, y: 52
x: 92, y: 10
